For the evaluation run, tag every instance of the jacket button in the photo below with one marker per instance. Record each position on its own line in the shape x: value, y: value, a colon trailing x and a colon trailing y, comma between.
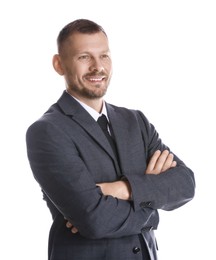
x: 136, y: 250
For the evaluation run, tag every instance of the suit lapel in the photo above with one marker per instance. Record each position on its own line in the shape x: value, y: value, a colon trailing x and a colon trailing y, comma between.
x: 122, y: 135
x: 72, y: 108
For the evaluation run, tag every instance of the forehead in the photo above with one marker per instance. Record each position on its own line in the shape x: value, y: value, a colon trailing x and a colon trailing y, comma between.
x: 80, y: 42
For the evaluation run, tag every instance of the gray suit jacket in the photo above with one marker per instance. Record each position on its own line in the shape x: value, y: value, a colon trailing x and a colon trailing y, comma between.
x: 69, y: 154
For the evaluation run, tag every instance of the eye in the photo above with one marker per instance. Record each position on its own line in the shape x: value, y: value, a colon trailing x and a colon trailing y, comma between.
x: 105, y: 56
x: 84, y: 58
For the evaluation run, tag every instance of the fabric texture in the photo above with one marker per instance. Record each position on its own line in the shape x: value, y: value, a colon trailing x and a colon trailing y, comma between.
x: 69, y: 154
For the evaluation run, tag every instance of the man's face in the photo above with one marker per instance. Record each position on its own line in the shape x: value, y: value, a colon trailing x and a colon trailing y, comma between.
x: 87, y: 65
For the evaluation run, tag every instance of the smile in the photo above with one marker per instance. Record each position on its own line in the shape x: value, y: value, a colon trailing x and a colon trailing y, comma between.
x: 95, y: 79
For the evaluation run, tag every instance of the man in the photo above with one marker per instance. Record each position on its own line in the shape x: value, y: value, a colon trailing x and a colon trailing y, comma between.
x: 104, y: 201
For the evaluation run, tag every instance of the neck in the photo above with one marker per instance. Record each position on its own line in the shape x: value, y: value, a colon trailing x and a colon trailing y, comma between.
x: 96, y: 103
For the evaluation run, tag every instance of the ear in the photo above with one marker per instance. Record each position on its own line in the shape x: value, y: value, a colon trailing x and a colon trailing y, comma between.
x: 57, y: 64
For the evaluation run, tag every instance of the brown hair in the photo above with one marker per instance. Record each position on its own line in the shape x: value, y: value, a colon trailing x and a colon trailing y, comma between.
x: 81, y: 26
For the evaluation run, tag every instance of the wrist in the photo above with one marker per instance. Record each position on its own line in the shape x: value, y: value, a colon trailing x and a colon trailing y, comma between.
x: 124, y: 190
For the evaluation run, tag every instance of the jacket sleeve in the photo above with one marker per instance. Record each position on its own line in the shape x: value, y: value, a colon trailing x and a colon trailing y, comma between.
x: 66, y: 181
x: 168, y: 190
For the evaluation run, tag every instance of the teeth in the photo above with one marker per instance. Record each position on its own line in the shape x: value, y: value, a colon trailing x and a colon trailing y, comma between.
x: 96, y: 79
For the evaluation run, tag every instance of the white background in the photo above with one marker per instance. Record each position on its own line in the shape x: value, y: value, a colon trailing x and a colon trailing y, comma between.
x: 164, y: 59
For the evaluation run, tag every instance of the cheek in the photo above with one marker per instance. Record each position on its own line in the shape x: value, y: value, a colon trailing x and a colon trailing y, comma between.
x: 72, y: 72
x: 108, y: 66
x: 79, y: 70
x: 109, y: 69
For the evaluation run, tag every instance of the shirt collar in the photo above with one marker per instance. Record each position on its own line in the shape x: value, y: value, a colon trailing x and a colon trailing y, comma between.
x: 91, y: 111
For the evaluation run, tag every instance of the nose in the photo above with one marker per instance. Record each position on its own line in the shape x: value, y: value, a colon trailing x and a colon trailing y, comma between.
x: 96, y: 65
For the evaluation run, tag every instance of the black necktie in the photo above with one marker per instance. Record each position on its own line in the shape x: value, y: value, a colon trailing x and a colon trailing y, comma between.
x: 103, y: 123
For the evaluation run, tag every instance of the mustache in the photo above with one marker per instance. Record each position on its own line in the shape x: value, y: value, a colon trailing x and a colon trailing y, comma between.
x: 93, y: 74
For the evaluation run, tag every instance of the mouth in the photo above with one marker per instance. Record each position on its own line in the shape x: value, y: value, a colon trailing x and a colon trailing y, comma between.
x: 95, y: 79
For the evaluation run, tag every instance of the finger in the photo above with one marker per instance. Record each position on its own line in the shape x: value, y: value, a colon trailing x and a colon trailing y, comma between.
x: 162, y: 161
x: 174, y: 163
x: 153, y: 161
x: 74, y: 230
x: 69, y: 225
x: 168, y: 162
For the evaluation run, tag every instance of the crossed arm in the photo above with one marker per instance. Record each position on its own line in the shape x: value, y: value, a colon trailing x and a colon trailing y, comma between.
x: 159, y: 162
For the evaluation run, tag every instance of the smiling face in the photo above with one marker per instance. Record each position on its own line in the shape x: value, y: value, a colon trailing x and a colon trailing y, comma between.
x: 86, y: 64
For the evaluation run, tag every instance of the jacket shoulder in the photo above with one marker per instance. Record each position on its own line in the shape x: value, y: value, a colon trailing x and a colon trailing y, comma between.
x: 128, y: 113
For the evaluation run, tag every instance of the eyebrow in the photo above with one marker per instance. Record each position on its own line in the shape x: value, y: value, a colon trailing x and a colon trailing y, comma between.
x: 90, y: 53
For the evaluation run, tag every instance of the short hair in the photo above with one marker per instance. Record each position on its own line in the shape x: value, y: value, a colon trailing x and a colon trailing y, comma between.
x: 81, y: 26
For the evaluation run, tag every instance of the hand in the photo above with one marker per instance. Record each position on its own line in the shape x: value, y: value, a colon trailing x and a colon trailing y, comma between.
x: 73, y: 229
x: 117, y: 189
x: 160, y: 162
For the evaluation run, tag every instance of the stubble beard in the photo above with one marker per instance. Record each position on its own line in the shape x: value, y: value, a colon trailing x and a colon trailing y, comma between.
x: 88, y: 93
